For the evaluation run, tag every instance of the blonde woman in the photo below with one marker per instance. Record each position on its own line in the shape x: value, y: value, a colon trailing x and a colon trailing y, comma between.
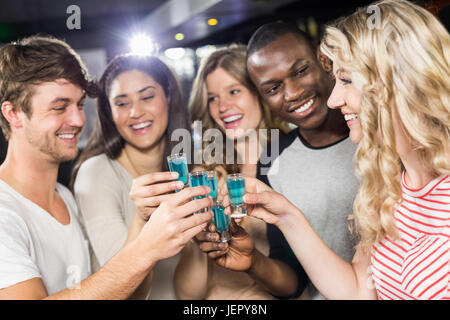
x: 225, y: 99
x: 392, y: 86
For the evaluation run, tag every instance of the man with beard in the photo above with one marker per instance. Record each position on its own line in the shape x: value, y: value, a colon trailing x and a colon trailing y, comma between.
x: 314, y: 168
x: 43, y: 252
x: 314, y: 165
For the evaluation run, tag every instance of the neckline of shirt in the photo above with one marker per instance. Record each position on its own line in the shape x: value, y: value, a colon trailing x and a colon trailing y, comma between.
x: 425, y: 190
x: 306, y: 144
x: 47, y: 214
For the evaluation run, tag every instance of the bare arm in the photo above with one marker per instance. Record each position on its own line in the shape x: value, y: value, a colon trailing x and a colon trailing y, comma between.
x: 116, y: 280
x: 333, y: 276
x: 191, y: 274
x: 170, y: 227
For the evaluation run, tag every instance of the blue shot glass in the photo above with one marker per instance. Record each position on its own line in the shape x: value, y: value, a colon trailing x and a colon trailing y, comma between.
x: 178, y: 163
x: 212, y: 184
x: 236, y: 191
x: 196, y: 179
x: 221, y: 221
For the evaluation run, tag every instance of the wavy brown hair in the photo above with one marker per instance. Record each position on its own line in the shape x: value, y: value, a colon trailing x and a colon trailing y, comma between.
x: 233, y: 60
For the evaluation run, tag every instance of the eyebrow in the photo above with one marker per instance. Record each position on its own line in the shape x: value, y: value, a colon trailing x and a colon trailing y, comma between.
x: 145, y: 88
x: 67, y: 100
x: 139, y: 91
x: 292, y: 67
x: 228, y: 87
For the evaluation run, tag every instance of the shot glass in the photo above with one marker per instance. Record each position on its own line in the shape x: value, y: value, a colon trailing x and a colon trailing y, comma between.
x: 196, y: 179
x: 236, y: 191
x: 178, y: 163
x: 221, y: 221
x: 212, y: 183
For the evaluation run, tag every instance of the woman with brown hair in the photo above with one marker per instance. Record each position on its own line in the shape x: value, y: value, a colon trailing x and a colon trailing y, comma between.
x: 139, y: 107
x: 226, y: 102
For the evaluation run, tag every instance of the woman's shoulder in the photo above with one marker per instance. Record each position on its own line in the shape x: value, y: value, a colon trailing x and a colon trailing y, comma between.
x: 97, y: 168
x: 95, y: 163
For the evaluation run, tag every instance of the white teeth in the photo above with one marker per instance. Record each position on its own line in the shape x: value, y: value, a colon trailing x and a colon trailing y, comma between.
x: 305, y: 106
x: 141, y: 125
x: 66, y: 136
x: 349, y: 117
x: 232, y: 118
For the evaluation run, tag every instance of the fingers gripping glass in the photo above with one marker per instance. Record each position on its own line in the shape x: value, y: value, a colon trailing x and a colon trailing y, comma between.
x: 178, y: 163
x: 236, y: 191
x: 221, y: 221
x: 196, y: 179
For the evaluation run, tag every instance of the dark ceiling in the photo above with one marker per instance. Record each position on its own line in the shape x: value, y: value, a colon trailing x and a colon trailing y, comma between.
x: 110, y: 23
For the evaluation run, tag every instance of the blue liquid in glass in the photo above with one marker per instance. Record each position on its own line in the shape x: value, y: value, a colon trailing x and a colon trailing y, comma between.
x: 197, y: 180
x: 181, y: 167
x: 212, y: 184
x: 236, y: 190
x: 220, y: 219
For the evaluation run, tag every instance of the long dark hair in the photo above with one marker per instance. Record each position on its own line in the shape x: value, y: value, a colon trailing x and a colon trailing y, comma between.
x: 105, y: 137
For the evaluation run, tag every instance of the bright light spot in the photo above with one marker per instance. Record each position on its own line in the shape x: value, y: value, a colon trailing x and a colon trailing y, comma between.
x: 174, y: 53
x: 213, y: 21
x: 205, y: 51
x: 142, y: 44
x: 179, y: 36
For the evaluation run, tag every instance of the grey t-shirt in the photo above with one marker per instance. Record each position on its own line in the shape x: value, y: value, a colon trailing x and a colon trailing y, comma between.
x: 321, y: 183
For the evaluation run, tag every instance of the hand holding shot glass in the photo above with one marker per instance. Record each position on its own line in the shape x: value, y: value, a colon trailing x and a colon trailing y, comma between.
x: 236, y: 191
x: 199, y: 178
x: 212, y: 183
x: 178, y: 163
x: 221, y: 221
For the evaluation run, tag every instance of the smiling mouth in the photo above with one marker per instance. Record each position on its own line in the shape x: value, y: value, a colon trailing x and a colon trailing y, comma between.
x: 351, y: 116
x: 70, y: 135
x: 232, y: 119
x: 67, y: 136
x: 304, y: 107
x: 141, y: 125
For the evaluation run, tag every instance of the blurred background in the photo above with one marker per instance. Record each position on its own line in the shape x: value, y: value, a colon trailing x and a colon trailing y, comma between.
x: 181, y: 32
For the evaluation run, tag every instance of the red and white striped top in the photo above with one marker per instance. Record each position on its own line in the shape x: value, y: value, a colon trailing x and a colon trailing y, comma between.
x: 417, y: 265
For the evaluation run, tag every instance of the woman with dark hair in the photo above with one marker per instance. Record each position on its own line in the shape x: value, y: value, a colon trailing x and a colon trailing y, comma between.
x: 139, y: 107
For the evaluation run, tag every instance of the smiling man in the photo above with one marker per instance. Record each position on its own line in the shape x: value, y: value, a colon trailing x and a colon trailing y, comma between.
x: 314, y: 166
x: 43, y: 251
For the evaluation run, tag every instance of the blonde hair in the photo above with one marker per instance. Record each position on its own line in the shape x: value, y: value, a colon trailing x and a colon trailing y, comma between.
x: 402, y: 63
x: 233, y: 60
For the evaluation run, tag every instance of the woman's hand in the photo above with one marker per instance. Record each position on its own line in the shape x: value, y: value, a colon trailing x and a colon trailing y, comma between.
x: 149, y: 190
x: 263, y: 203
x: 173, y: 223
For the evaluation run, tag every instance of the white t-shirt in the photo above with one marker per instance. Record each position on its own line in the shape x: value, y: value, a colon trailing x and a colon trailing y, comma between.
x: 33, y: 244
x: 102, y: 191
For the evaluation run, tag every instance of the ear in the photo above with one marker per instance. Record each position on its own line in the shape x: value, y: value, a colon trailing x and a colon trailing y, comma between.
x: 326, y: 63
x: 11, y: 115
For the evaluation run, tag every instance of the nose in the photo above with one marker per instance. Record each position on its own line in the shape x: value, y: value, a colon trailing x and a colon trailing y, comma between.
x: 224, y: 104
x: 292, y: 90
x: 136, y: 110
x: 76, y: 117
x: 336, y: 99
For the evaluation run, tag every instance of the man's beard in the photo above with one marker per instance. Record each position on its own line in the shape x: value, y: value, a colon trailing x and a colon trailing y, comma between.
x: 49, y: 147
